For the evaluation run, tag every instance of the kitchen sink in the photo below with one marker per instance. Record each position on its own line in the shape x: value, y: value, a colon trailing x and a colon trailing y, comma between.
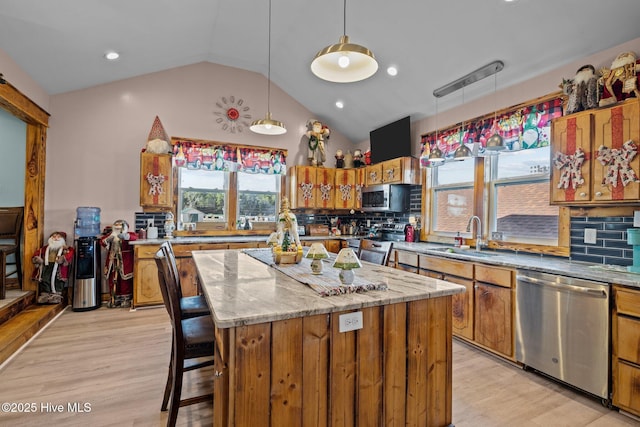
x: 466, y: 252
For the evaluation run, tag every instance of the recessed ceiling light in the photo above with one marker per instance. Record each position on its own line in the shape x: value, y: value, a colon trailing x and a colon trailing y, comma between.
x: 392, y: 71
x: 112, y: 56
x: 339, y: 104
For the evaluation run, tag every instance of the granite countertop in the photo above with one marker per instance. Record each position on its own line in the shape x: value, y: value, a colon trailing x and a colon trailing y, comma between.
x: 242, y: 290
x: 545, y: 263
x: 183, y: 240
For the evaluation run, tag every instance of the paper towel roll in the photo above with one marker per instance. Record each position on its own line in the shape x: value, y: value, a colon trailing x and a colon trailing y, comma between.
x: 152, y: 232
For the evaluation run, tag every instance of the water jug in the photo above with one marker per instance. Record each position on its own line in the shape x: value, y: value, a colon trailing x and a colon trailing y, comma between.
x: 87, y: 222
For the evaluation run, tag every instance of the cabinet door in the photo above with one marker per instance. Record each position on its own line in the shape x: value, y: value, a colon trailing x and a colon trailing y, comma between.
x: 156, y: 189
x: 333, y: 246
x: 324, y: 195
x: 345, y: 189
x: 392, y: 171
x: 373, y: 174
x: 462, y: 307
x: 571, y: 172
x: 612, y: 163
x: 146, y: 287
x: 493, y: 325
x: 303, y: 187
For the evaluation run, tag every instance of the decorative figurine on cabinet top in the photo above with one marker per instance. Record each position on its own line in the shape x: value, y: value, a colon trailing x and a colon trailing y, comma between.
x: 582, y: 90
x: 316, y: 136
x: 621, y: 81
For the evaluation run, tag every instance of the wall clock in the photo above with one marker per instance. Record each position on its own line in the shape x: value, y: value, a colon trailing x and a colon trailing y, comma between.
x: 232, y: 115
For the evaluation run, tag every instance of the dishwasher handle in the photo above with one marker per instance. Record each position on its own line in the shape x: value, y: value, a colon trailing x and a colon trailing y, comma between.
x: 574, y: 288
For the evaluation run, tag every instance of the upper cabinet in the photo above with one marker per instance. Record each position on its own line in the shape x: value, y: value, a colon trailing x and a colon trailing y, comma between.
x: 403, y: 170
x: 311, y: 187
x: 156, y: 188
x: 594, y: 156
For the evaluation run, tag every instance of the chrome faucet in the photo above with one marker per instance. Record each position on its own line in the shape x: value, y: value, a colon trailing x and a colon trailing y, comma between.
x: 479, y: 242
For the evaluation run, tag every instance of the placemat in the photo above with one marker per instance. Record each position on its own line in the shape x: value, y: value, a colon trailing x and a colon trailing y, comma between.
x: 325, y: 284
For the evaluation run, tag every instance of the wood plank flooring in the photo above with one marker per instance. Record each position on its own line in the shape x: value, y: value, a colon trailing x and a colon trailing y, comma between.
x: 116, y: 361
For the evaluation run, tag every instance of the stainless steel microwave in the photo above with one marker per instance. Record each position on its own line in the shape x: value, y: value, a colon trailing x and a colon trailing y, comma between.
x: 385, y: 198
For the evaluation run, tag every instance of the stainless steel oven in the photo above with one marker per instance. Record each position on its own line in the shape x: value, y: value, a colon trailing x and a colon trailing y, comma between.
x: 562, y: 329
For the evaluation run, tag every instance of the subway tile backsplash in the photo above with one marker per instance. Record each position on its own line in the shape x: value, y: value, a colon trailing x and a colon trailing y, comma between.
x: 611, y: 240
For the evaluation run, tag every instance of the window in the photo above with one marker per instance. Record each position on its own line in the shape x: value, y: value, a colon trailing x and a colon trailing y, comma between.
x: 258, y: 199
x: 519, y: 207
x: 452, y: 204
x: 202, y: 197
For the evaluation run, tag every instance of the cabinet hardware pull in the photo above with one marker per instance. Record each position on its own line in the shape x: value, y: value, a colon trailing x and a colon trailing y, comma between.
x: 583, y: 194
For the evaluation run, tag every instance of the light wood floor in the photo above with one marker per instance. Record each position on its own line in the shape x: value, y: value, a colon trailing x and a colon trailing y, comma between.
x: 116, y: 361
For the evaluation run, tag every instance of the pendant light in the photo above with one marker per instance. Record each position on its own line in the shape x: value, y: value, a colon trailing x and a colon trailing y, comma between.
x: 495, y: 142
x: 462, y: 152
x: 268, y: 126
x: 344, y: 62
x: 435, y: 156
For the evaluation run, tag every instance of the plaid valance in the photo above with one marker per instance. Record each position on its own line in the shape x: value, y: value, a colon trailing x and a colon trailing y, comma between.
x: 522, y: 128
x: 228, y: 157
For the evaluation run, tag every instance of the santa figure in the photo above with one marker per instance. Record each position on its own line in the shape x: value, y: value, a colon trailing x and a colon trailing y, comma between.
x: 52, y: 268
x: 118, y: 270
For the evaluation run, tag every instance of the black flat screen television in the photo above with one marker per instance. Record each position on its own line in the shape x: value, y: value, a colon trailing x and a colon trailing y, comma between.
x: 391, y: 141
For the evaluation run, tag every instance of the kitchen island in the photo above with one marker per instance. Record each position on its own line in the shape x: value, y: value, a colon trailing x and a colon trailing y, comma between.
x: 282, y: 359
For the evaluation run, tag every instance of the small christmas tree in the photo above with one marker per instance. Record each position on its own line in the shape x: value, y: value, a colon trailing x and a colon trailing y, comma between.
x: 286, y: 241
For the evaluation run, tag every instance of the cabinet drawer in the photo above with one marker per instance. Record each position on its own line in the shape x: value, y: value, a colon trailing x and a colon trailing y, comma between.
x: 494, y: 275
x: 407, y: 258
x: 186, y: 249
x: 447, y: 266
x: 628, y: 339
x: 628, y: 302
x: 145, y: 251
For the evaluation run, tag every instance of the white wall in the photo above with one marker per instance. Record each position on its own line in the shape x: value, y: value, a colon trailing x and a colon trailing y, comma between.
x: 97, y: 133
x: 539, y: 86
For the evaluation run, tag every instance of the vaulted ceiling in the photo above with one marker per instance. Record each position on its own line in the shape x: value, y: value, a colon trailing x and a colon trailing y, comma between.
x: 61, y: 44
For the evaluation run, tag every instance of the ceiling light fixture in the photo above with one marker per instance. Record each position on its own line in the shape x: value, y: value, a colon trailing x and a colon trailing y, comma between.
x: 344, y: 62
x: 470, y: 78
x: 435, y: 156
x: 340, y: 104
x: 268, y: 126
x: 495, y: 142
x: 392, y: 71
x: 112, y: 56
x: 462, y: 152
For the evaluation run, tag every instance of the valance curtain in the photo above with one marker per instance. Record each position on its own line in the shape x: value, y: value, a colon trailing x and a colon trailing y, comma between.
x: 522, y: 128
x: 228, y: 157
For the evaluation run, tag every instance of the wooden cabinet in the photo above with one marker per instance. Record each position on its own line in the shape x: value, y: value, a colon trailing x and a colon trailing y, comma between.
x: 311, y: 187
x: 360, y: 182
x: 494, y: 296
x: 156, y: 177
x: 595, y: 156
x: 626, y: 349
x: 403, y: 170
x: 571, y: 148
x: 459, y: 272
x: 146, y: 288
x: 613, y: 128
x: 345, y: 189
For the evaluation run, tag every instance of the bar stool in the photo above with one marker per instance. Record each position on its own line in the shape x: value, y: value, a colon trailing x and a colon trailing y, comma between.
x: 374, y: 251
x: 192, y: 346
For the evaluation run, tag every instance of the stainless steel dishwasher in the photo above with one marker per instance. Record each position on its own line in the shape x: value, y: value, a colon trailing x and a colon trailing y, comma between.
x: 562, y: 329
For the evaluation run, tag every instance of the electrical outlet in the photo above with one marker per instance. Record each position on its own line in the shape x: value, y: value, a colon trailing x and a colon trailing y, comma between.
x: 350, y: 321
x: 149, y: 222
x: 497, y: 235
x: 590, y: 235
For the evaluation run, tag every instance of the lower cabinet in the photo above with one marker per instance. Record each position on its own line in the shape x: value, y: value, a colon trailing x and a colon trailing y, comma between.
x: 626, y: 349
x: 484, y: 314
x: 146, y: 289
x: 494, y: 312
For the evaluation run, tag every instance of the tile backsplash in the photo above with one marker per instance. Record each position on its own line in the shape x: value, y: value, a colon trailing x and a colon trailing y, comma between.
x: 610, y: 245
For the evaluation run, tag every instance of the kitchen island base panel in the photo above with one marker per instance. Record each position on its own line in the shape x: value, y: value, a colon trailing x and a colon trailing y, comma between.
x: 396, y: 370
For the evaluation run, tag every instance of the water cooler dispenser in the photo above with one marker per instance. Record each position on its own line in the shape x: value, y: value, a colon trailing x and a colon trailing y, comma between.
x: 87, y: 288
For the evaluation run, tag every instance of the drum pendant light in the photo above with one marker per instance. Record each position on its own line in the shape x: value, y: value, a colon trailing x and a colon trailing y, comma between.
x: 495, y: 142
x: 268, y: 126
x: 344, y: 62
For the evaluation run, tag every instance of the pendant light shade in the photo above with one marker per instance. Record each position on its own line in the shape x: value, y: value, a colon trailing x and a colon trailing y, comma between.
x: 495, y: 142
x: 462, y: 153
x: 268, y: 126
x: 344, y: 62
